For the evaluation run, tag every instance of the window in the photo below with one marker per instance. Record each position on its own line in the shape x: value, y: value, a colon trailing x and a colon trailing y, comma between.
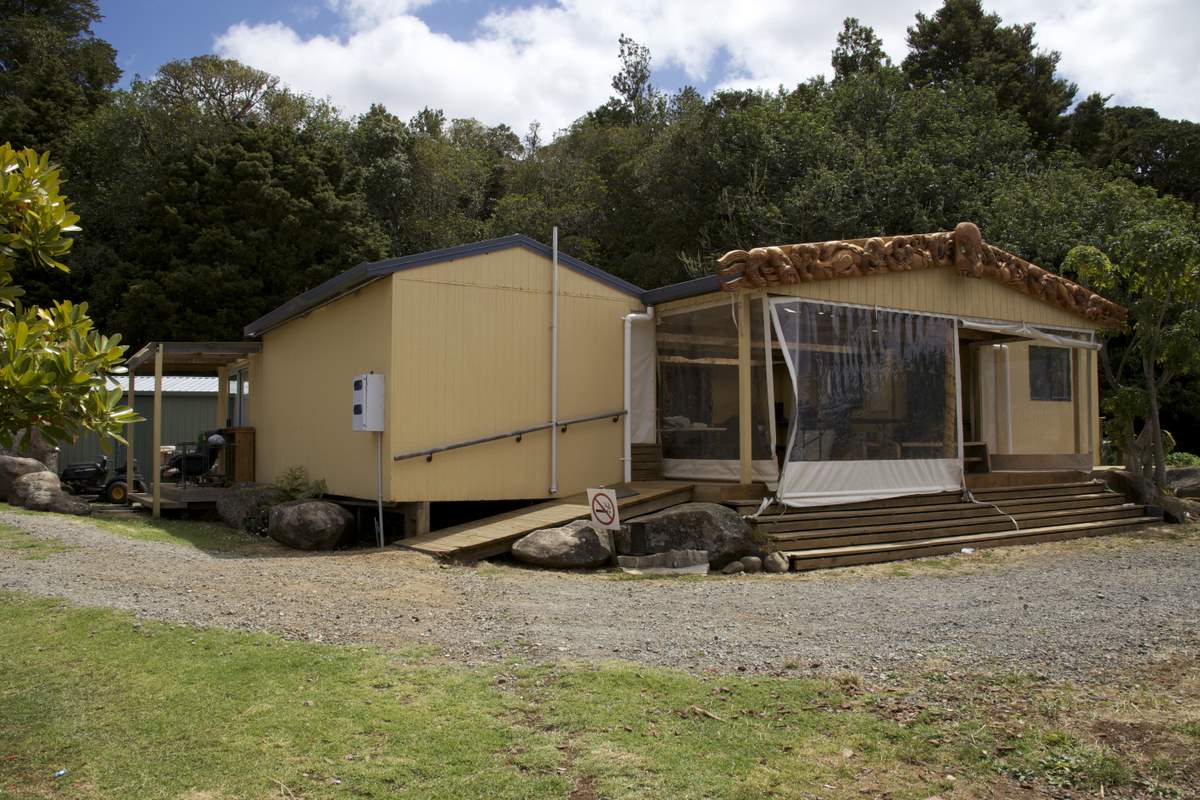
x: 1049, y: 373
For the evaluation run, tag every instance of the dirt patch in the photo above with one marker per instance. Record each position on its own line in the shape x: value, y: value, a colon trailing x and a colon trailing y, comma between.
x: 584, y: 789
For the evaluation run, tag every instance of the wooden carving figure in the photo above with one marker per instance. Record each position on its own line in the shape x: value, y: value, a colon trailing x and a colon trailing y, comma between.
x: 962, y: 249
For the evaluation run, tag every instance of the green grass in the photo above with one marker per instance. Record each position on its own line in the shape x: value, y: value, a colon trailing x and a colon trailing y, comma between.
x: 15, y: 540
x: 211, y: 536
x: 202, y: 535
x: 149, y: 710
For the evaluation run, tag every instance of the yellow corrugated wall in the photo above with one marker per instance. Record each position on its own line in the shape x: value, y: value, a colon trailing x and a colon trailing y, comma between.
x: 471, y: 358
x: 301, y: 387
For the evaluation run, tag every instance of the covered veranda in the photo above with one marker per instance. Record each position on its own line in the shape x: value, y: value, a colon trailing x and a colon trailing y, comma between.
x: 226, y: 360
x: 828, y: 402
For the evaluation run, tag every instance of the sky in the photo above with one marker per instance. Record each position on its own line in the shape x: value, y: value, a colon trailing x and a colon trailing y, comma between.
x: 550, y: 62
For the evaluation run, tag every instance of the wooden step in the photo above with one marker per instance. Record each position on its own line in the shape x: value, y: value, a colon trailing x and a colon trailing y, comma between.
x: 900, y: 533
x: 1060, y: 490
x: 820, y: 558
x: 812, y: 520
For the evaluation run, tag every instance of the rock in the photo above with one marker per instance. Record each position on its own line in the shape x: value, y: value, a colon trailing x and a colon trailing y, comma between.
x: 13, y: 467
x: 247, y: 506
x: 23, y: 489
x: 672, y: 562
x: 69, y: 504
x: 691, y: 526
x: 733, y: 568
x: 1184, y: 481
x: 575, y: 545
x: 309, y: 524
x: 42, y: 491
x: 752, y: 564
x: 776, y: 563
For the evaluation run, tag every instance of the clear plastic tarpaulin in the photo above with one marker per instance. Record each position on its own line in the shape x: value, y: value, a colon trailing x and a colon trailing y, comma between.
x: 876, y: 403
x: 698, y: 394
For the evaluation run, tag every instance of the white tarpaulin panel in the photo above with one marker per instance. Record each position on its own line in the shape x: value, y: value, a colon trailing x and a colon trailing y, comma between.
x: 642, y: 417
x: 698, y: 395
x: 876, y: 411
x: 1026, y: 331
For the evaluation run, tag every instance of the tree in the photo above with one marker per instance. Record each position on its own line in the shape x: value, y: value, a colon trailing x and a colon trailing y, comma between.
x: 53, y: 70
x: 1150, y: 150
x: 858, y: 50
x: 962, y: 42
x: 54, y: 364
x: 1151, y: 264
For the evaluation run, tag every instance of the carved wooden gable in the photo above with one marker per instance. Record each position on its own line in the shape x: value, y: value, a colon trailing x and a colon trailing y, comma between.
x: 963, y: 249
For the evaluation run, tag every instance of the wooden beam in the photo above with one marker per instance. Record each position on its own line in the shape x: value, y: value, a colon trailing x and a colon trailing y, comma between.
x: 157, y: 448
x: 222, y: 396
x: 745, y: 409
x: 129, y: 471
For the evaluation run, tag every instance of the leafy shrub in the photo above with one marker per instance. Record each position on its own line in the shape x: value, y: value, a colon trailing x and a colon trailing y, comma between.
x: 294, y: 483
x: 1182, y: 459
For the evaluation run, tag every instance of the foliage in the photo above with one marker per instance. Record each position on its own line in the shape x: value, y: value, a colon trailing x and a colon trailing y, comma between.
x: 1150, y: 263
x: 1179, y: 458
x: 53, y: 70
x: 295, y: 484
x: 53, y: 363
x: 233, y: 196
x: 858, y: 50
x: 962, y: 41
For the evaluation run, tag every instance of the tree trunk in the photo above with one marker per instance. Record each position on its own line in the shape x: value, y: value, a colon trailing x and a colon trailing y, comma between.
x: 1156, y: 437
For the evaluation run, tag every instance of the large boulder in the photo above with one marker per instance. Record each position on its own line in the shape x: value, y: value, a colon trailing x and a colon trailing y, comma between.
x: 310, y: 524
x: 13, y: 467
x: 247, y: 506
x: 1184, y: 481
x: 691, y: 526
x: 575, y: 545
x: 42, y: 491
x: 37, y: 487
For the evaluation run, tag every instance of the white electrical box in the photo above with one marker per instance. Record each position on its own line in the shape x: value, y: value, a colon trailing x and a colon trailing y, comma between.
x: 368, y: 396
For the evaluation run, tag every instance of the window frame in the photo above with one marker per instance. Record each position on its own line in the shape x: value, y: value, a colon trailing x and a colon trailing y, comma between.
x: 1042, y: 387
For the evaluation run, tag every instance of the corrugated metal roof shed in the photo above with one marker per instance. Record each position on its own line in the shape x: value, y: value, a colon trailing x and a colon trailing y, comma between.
x: 173, y: 384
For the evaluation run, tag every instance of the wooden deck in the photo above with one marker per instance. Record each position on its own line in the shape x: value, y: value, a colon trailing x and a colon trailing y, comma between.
x: 495, y: 535
x: 179, y: 498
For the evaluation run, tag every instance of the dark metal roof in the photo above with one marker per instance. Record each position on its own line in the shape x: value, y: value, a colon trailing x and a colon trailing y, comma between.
x: 367, y: 272
x: 678, y: 291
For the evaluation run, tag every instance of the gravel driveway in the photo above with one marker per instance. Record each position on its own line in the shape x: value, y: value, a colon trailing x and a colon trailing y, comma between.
x: 1064, y: 609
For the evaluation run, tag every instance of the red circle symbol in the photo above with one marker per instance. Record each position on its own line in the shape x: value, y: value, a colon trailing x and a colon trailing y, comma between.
x: 603, y: 510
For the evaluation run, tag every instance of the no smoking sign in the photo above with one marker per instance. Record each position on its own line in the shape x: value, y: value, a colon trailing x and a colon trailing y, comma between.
x: 603, y: 504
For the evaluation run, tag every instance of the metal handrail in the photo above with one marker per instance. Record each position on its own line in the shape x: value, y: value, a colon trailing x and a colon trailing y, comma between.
x: 429, y: 453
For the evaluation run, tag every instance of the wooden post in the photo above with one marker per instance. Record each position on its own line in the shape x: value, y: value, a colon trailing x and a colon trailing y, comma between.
x: 222, y: 396
x: 130, y: 393
x: 157, y: 447
x: 745, y: 411
x: 416, y: 518
x: 1077, y: 401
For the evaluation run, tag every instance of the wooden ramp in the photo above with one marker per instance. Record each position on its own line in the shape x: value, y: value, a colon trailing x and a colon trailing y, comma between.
x: 495, y: 535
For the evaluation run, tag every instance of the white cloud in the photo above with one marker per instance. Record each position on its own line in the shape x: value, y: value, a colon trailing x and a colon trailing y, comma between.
x: 554, y: 62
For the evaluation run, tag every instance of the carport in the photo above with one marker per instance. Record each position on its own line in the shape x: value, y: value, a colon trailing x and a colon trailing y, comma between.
x: 224, y: 359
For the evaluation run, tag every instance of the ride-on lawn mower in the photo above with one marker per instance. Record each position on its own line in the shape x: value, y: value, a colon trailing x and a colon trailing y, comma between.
x: 93, y: 478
